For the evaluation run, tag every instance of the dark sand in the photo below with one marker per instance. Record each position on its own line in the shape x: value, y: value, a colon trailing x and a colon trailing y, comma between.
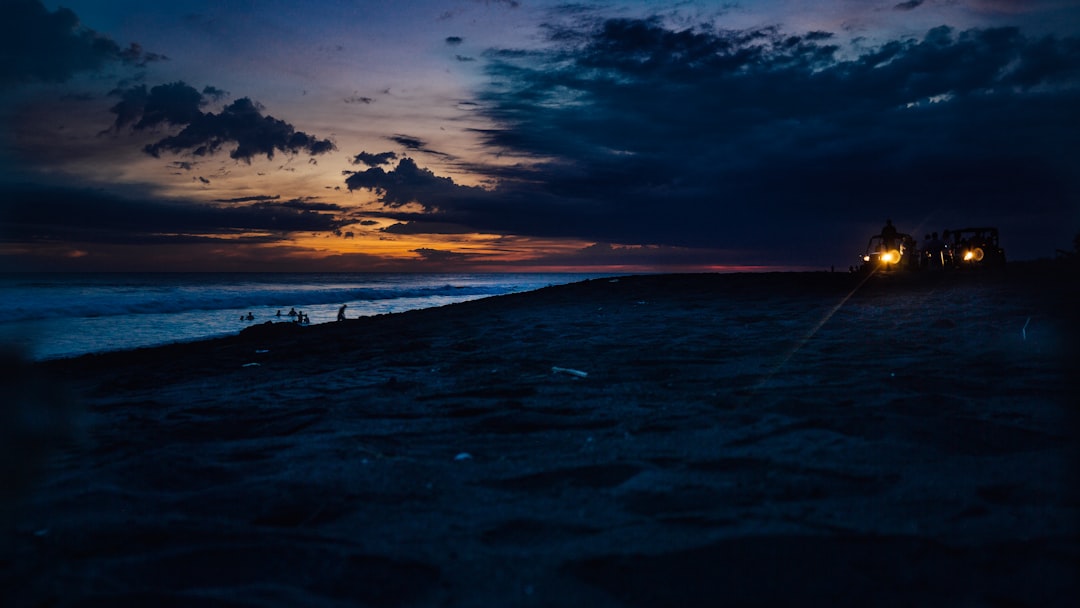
x: 738, y: 440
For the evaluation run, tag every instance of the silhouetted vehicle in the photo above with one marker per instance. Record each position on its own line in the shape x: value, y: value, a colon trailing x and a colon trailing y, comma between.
x: 883, y: 256
x: 974, y: 248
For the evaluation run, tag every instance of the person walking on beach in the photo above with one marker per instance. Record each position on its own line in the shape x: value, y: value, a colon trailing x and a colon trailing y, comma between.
x: 341, y: 312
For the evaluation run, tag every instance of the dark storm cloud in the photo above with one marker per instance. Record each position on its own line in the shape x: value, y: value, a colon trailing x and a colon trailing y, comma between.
x: 454, y: 40
x: 241, y: 123
x: 36, y: 214
x: 409, y: 183
x: 374, y: 159
x: 42, y: 46
x: 642, y: 133
x: 172, y: 104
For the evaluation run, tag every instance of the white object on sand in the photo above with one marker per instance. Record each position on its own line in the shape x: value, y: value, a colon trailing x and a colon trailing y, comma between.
x: 463, y: 456
x: 572, y: 372
x: 251, y: 365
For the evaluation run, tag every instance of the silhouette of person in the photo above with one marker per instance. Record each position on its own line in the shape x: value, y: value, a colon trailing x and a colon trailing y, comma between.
x: 292, y: 312
x: 250, y: 317
x: 907, y: 247
x: 279, y: 313
x: 888, y: 235
x: 935, y: 252
x: 341, y: 312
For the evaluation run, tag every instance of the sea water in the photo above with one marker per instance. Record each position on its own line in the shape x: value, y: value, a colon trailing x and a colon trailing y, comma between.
x: 45, y: 316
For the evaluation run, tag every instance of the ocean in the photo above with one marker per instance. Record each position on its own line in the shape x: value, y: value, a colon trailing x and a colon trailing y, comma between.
x: 46, y: 316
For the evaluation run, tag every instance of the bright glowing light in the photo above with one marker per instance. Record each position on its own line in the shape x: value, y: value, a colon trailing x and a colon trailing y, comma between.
x: 890, y: 257
x: 968, y: 255
x: 866, y: 258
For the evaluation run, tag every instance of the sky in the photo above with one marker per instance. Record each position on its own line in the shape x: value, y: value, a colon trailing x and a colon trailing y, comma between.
x: 529, y: 135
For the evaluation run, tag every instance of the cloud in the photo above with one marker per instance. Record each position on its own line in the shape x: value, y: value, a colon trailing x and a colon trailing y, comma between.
x: 454, y: 40
x: 420, y: 227
x: 42, y: 46
x: 305, y: 205
x: 442, y: 256
x: 41, y: 214
x: 172, y: 104
x: 507, y: 3
x: 241, y: 123
x: 374, y: 160
x: 909, y: 5
x: 632, y: 131
x: 415, y: 144
x: 261, y: 198
x: 409, y: 183
x: 412, y: 143
x: 214, y: 93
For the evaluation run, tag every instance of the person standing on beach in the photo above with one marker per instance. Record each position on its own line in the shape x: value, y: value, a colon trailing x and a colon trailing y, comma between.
x: 341, y: 312
x: 888, y: 235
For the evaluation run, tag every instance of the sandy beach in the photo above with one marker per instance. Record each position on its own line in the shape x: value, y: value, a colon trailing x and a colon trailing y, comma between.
x: 667, y: 440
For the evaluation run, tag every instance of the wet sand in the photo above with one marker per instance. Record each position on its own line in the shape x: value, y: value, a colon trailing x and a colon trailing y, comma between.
x: 691, y: 440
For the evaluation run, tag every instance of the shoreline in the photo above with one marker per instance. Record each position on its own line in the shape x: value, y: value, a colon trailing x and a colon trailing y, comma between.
x: 1037, y: 272
x: 69, y: 316
x: 760, y: 437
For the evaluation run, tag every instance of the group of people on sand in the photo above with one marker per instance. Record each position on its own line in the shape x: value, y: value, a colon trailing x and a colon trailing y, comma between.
x: 938, y: 252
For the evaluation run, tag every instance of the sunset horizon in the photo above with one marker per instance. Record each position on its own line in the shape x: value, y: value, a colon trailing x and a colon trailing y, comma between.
x: 529, y: 136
